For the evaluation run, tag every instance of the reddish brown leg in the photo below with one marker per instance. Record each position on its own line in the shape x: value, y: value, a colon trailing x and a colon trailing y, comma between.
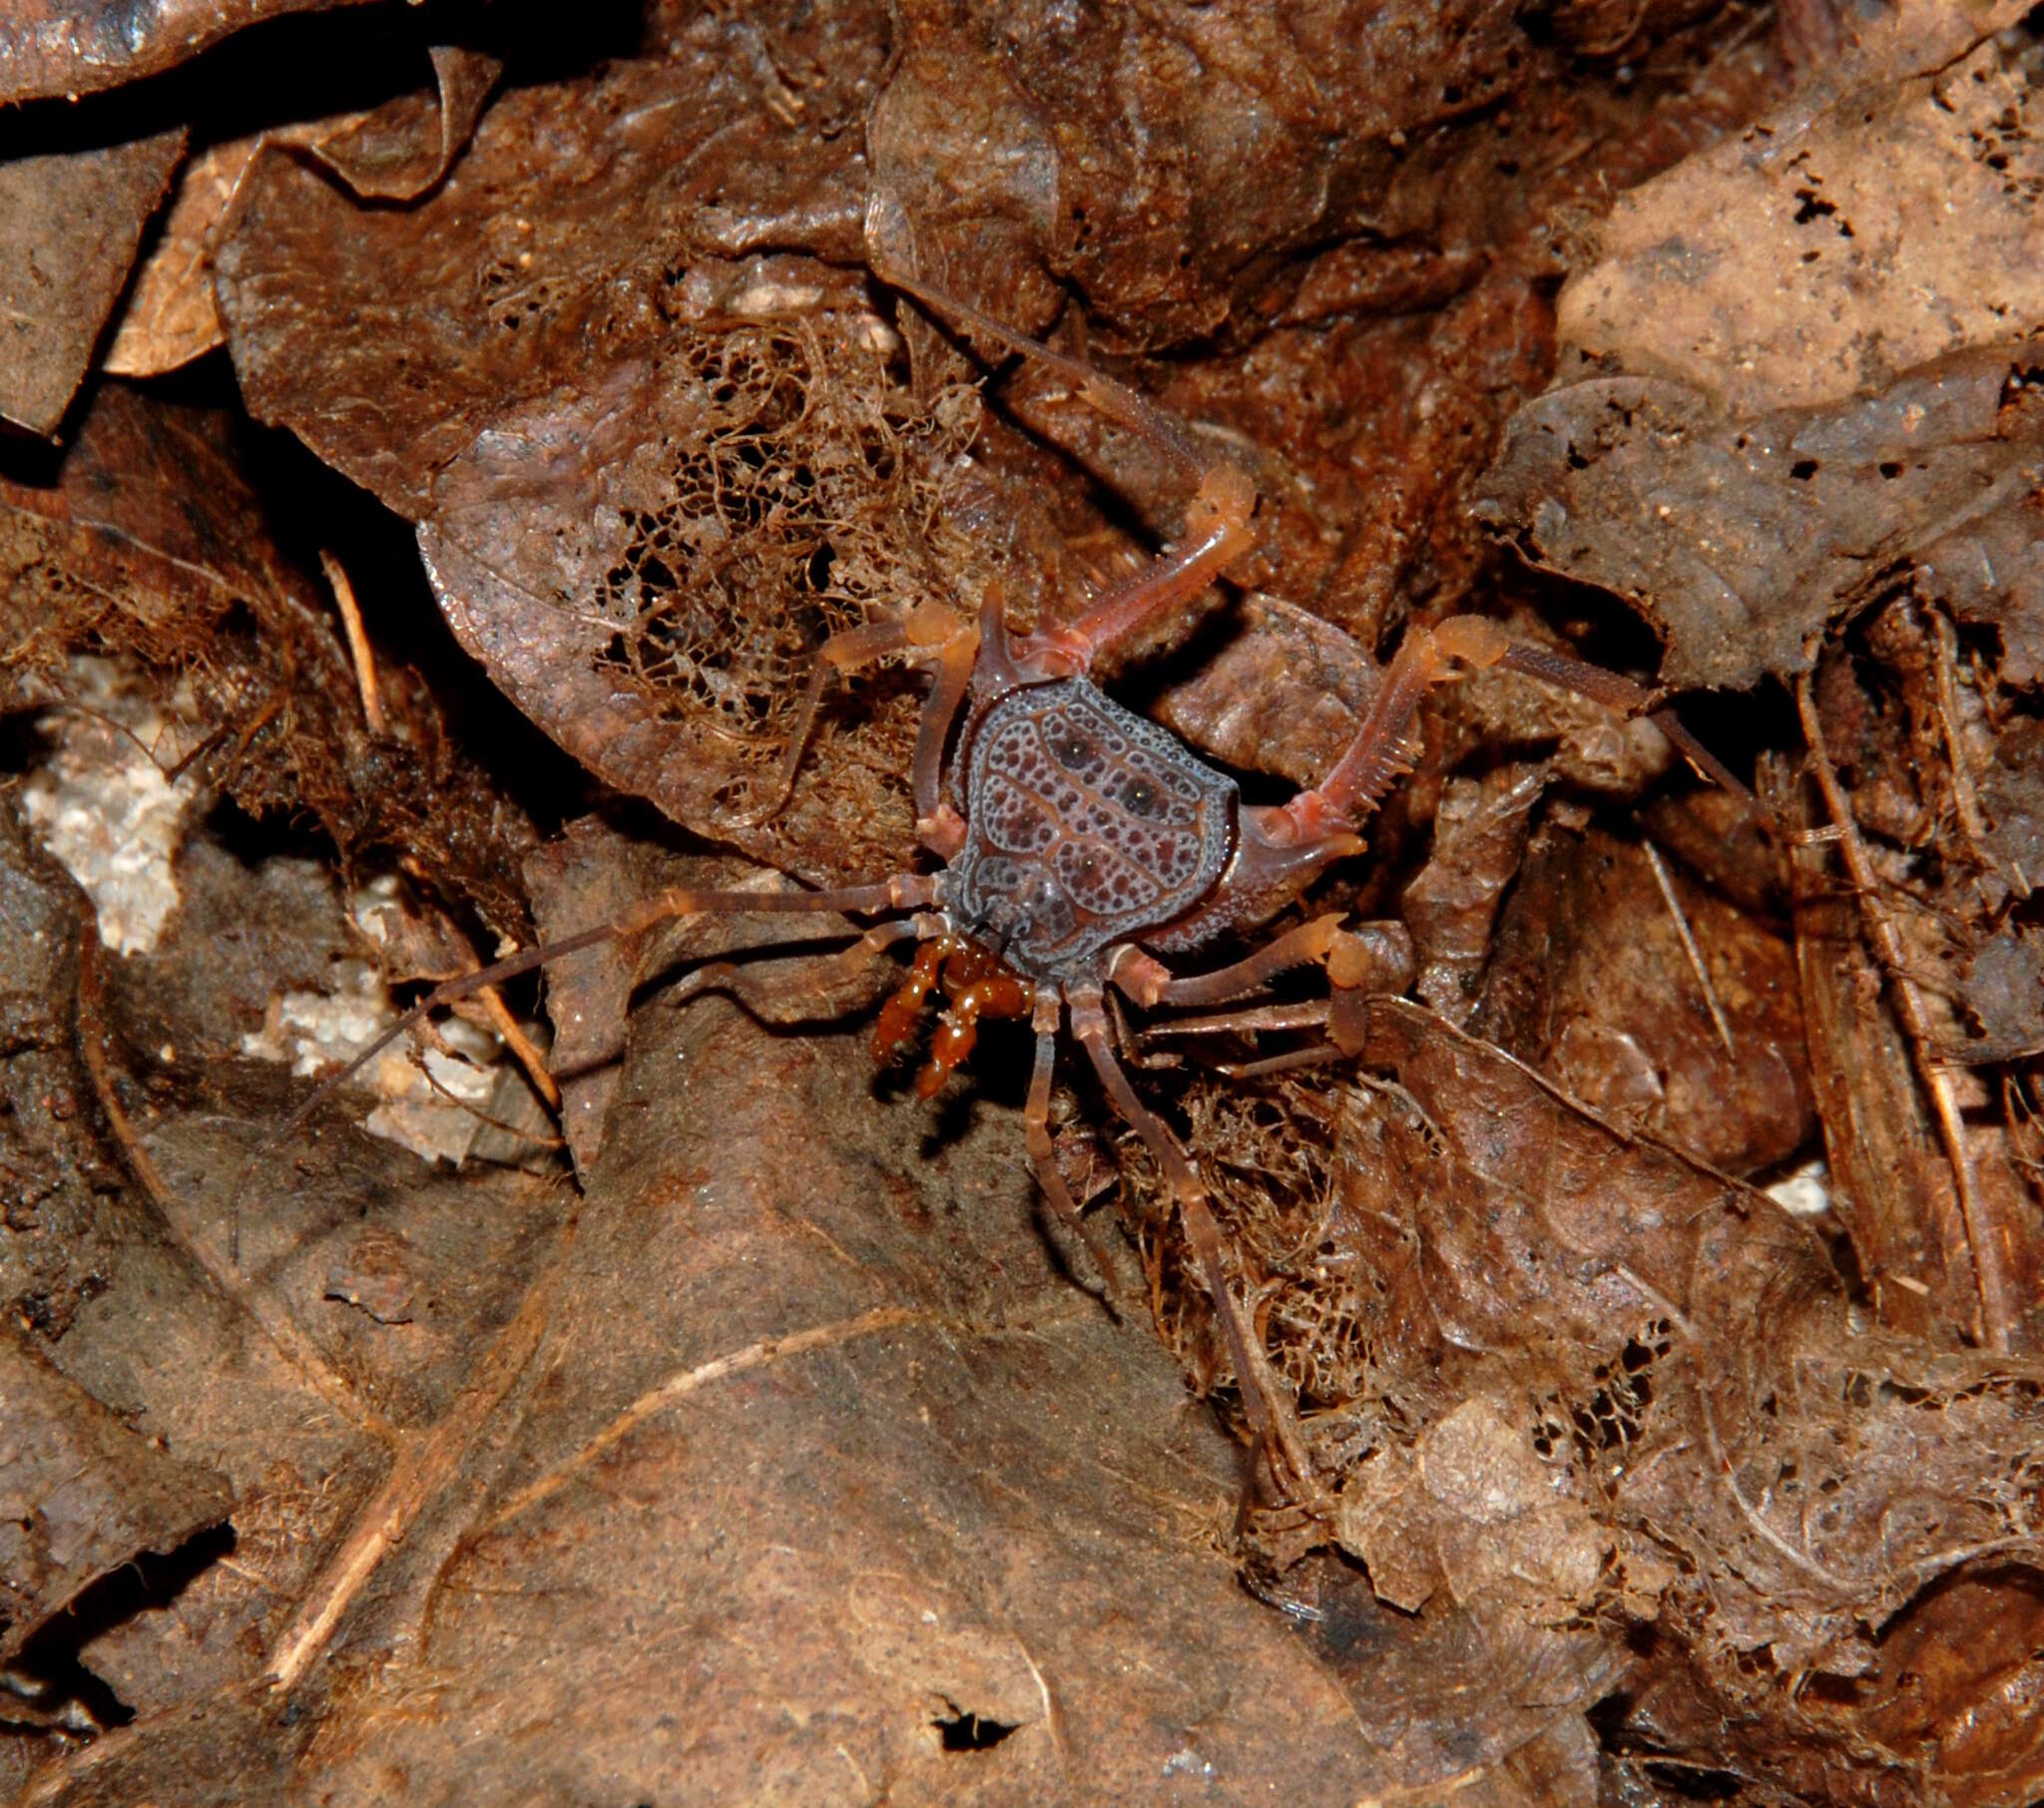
x: 1285, y: 845
x: 1382, y: 750
x: 921, y: 631
x: 905, y: 891
x: 1272, y: 1414
x: 1043, y: 1155
x: 939, y: 828
x: 1372, y: 960
x: 1216, y: 535
x: 1244, y: 1020
x: 1216, y: 531
x: 1149, y: 981
x: 1619, y: 693
x: 809, y: 977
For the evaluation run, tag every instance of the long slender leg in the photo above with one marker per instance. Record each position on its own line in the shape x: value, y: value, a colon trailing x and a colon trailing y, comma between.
x: 1149, y: 981
x: 1271, y: 1413
x: 942, y: 828
x: 1216, y: 535
x: 1369, y: 959
x: 904, y: 891
x: 813, y: 976
x: 1217, y: 530
x: 1382, y: 750
x: 922, y: 630
x: 1619, y: 693
x: 1307, y: 1013
x: 887, y: 230
x: 1043, y: 1157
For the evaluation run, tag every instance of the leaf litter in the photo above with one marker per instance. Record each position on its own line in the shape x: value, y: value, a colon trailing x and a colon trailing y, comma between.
x: 745, y: 1437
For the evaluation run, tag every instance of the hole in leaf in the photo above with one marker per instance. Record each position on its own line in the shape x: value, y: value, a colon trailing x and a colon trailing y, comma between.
x: 967, y: 1732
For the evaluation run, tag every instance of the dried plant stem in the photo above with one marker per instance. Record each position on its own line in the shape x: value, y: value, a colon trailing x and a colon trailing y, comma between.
x: 357, y: 640
x: 521, y: 1046
x: 1965, y: 795
x: 1997, y: 1309
x: 425, y: 1462
x: 1663, y: 879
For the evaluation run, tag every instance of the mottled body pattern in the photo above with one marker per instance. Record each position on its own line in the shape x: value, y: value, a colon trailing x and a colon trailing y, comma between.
x: 1084, y: 826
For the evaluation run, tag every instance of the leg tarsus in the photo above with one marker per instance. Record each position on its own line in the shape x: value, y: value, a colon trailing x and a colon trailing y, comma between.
x: 1271, y: 1413
x: 1043, y: 1154
x: 904, y: 891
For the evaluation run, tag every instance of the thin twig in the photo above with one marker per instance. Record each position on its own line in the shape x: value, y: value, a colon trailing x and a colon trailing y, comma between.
x: 1997, y: 1309
x: 1663, y: 879
x: 521, y: 1046
x: 357, y: 640
x: 425, y: 1462
x: 1965, y: 795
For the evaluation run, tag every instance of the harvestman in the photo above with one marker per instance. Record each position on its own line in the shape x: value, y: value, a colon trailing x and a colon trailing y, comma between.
x: 1078, y: 842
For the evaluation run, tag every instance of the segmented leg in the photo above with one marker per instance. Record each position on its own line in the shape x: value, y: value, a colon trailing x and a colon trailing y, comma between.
x: 1270, y: 1412
x: 1382, y: 750
x: 808, y: 976
x: 1216, y: 531
x: 904, y: 891
x: 1146, y: 980
x: 1618, y: 692
x: 922, y: 630
x: 1216, y: 535
x: 939, y: 828
x: 1368, y: 961
x: 1043, y: 1155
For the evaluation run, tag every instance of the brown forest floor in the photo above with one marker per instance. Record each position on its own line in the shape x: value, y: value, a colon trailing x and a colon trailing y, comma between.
x: 1660, y: 1283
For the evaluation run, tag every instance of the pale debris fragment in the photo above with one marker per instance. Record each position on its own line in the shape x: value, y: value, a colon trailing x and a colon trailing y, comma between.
x: 316, y: 1031
x: 1806, y: 1193
x: 103, y: 807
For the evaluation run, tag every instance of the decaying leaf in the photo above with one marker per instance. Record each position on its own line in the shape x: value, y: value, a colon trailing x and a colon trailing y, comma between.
x: 1739, y: 539
x: 743, y: 1434
x: 54, y: 48
x: 70, y: 224
x: 1882, y: 220
x: 396, y: 153
x: 84, y: 1492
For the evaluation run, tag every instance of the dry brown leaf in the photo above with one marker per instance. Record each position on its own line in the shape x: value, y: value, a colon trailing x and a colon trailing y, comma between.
x: 1882, y: 219
x: 83, y: 1493
x: 51, y: 48
x: 394, y: 154
x: 1740, y: 538
x: 70, y: 224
